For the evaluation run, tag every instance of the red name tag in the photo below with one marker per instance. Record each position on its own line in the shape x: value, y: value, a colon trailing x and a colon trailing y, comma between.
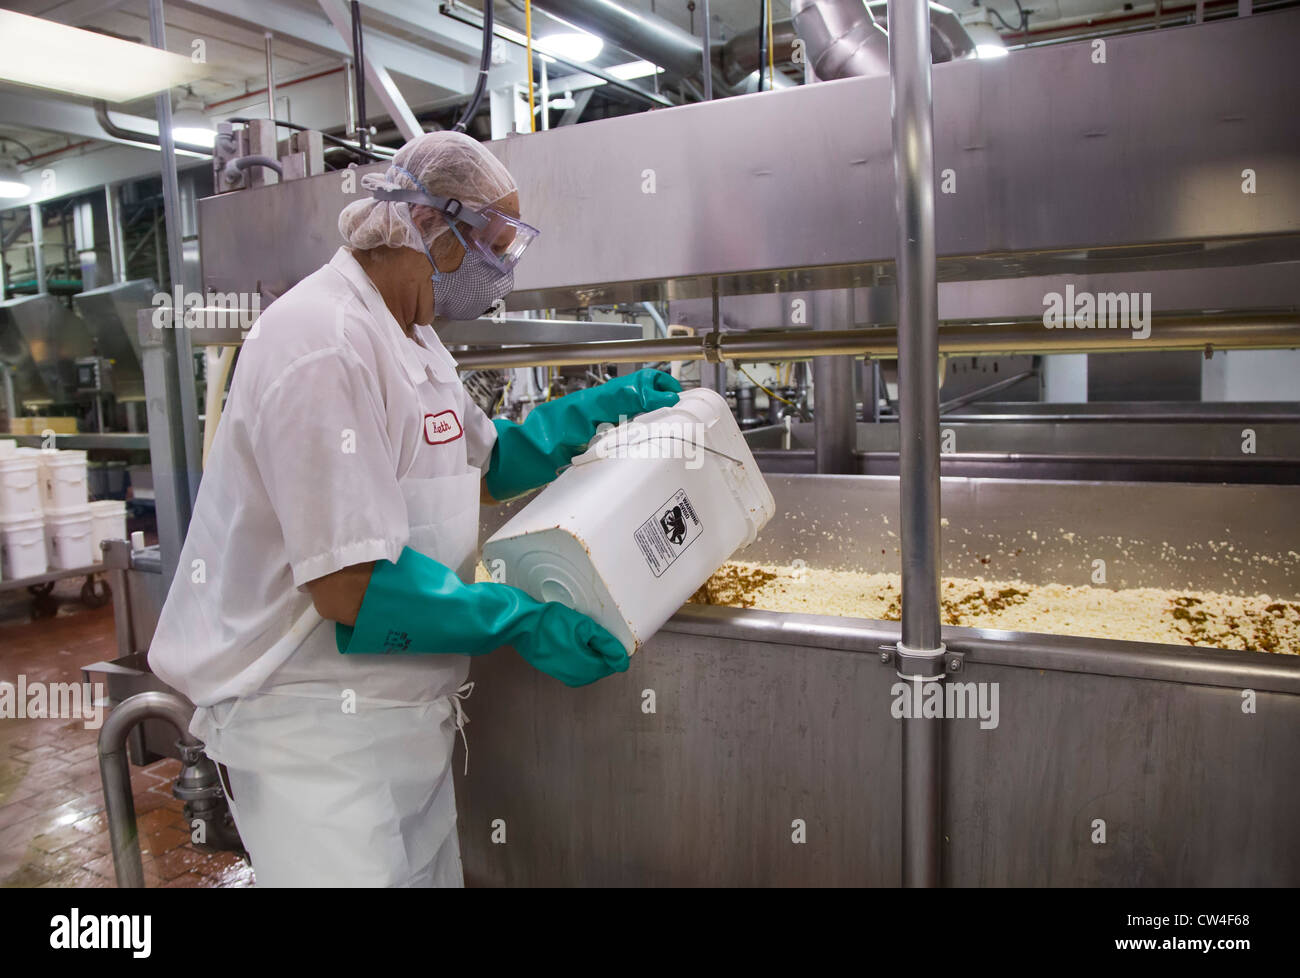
x: 442, y: 427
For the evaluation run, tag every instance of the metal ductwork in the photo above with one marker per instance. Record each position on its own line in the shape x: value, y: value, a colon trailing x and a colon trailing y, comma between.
x: 656, y: 40
x: 740, y: 54
x: 847, y: 38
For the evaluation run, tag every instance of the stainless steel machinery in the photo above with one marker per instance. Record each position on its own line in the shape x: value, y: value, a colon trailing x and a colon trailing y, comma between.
x: 39, y: 339
x: 762, y: 719
x: 110, y: 314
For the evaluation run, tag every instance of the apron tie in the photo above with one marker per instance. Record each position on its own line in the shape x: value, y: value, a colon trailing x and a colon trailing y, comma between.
x: 462, y: 718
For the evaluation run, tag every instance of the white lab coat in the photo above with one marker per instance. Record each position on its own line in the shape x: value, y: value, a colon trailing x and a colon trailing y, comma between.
x: 343, y: 442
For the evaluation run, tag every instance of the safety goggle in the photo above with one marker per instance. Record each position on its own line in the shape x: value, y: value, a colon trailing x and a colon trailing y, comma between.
x: 498, y: 237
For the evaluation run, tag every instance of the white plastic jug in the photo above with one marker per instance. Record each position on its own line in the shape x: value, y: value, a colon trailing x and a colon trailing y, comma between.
x: 640, y: 520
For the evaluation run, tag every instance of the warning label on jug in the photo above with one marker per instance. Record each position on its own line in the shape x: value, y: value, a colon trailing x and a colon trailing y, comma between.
x: 674, y: 526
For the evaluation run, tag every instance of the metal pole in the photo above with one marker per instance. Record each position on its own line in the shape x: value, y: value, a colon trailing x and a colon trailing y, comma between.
x: 189, y: 412
x: 921, y: 649
x: 116, y: 250
x: 38, y: 248
x: 708, y: 57
x: 359, y: 66
x: 545, y: 113
x: 833, y: 416
x: 270, y: 77
x: 11, y: 406
x: 349, y: 99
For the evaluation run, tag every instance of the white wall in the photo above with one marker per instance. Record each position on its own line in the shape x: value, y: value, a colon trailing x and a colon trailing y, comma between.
x: 1251, y: 375
x: 1065, y: 378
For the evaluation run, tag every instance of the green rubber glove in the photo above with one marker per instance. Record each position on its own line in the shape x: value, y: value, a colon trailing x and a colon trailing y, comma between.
x: 531, y: 454
x: 419, y: 606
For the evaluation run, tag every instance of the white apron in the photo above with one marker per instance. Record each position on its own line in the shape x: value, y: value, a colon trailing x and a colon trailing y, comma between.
x: 340, y: 771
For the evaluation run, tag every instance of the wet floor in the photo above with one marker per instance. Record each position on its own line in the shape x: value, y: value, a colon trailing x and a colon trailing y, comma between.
x: 53, y: 830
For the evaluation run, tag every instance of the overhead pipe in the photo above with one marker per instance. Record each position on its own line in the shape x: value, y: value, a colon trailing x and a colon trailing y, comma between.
x: 1201, y: 333
x: 448, y: 9
x: 847, y: 38
x: 639, y: 32
x: 739, y: 56
x: 485, y: 62
x: 136, y: 136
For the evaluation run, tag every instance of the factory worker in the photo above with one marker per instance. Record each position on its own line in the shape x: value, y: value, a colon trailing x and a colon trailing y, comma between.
x: 323, y: 613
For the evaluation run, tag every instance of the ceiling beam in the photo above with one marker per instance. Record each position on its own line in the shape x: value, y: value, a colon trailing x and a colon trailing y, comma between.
x: 376, y: 73
x: 314, y: 29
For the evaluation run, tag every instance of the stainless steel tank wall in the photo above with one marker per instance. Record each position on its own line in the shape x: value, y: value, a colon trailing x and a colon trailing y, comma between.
x: 1238, y: 539
x: 763, y: 722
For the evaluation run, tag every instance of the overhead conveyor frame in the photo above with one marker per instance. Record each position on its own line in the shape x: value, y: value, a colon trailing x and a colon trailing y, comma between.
x: 1059, y: 165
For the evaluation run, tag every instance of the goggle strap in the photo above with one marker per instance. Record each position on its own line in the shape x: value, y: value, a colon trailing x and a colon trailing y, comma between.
x: 451, y: 208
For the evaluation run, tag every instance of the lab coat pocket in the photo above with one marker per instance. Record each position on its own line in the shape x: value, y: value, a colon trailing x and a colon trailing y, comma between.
x: 443, y: 516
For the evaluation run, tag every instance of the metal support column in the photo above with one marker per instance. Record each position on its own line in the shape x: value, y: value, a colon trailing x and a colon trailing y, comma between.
x: 834, y: 417
x: 7, y: 382
x: 270, y: 77
x: 713, y: 374
x: 38, y: 248
x: 184, y: 412
x: 116, y: 250
x: 172, y: 503
x: 707, y: 75
x: 920, y: 653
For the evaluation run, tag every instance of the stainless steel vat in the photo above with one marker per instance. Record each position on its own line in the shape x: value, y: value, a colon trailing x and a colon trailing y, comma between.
x: 763, y: 719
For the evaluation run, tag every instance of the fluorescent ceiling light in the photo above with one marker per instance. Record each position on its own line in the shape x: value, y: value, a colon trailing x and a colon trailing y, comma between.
x: 576, y: 46
x: 988, y: 42
x: 11, y: 181
x: 43, y: 54
x: 633, y: 69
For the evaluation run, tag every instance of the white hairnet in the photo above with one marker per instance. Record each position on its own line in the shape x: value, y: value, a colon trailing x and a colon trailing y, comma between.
x: 448, y: 164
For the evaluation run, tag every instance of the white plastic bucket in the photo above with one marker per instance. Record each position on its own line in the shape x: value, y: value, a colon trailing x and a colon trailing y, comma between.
x: 640, y: 520
x: 63, y: 478
x: 67, y: 533
x: 109, y: 523
x: 20, y: 486
x: 7, y: 447
x: 22, y: 546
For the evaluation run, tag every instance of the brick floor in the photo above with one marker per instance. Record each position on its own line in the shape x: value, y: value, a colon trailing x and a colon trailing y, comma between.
x: 53, y: 830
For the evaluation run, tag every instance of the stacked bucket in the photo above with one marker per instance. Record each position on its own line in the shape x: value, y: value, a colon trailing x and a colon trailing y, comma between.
x: 46, y: 520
